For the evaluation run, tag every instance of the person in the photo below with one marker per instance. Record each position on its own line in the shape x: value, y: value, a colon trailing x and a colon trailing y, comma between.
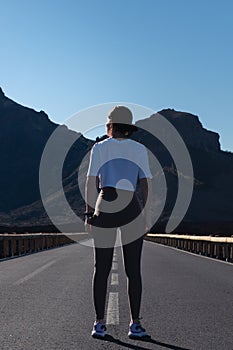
x: 117, y: 164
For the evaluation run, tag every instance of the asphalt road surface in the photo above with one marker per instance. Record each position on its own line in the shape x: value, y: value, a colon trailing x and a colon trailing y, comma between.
x: 46, y: 301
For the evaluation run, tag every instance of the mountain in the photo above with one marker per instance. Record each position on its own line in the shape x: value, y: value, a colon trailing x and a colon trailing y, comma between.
x: 23, y: 136
x: 211, y: 207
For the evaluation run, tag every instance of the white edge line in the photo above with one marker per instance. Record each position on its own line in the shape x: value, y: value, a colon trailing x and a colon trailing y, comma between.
x: 194, y: 254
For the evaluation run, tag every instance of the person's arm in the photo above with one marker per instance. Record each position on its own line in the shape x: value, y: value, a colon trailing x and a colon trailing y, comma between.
x: 146, y: 189
x: 90, y: 199
x: 92, y: 180
x: 91, y: 193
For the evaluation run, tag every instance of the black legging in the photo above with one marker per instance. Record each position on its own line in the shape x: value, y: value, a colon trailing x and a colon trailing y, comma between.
x: 131, y: 251
x: 103, y: 263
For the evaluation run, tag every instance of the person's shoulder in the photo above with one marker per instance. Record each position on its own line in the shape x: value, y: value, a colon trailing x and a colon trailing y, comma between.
x: 103, y: 142
x: 101, y: 145
x: 136, y: 144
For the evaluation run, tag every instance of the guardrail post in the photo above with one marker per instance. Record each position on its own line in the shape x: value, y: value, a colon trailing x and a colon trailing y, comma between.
x: 29, y: 245
x: 9, y: 248
x: 205, y: 248
x: 220, y: 250
x: 5, y: 248
x: 1, y: 249
x: 13, y: 247
x: 208, y: 248
x: 231, y: 252
x: 20, y: 246
x: 25, y: 245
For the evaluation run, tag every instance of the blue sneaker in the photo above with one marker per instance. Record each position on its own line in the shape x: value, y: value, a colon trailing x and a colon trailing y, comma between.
x: 99, y: 330
x: 136, y: 331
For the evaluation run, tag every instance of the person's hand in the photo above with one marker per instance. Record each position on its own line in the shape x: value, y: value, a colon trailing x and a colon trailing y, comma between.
x: 88, y: 226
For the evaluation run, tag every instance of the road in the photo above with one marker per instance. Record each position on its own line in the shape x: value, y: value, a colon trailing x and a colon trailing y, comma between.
x: 46, y: 301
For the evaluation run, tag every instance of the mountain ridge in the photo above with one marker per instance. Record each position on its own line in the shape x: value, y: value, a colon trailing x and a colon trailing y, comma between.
x: 23, y: 136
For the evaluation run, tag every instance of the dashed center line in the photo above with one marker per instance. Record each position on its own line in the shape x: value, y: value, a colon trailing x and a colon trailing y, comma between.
x: 113, y: 309
x: 114, y: 280
x: 113, y: 300
x: 34, y: 273
x: 114, y: 266
x: 114, y: 257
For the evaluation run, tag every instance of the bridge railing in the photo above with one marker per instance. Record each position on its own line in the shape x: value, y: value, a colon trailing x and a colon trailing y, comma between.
x: 12, y: 245
x: 214, y: 247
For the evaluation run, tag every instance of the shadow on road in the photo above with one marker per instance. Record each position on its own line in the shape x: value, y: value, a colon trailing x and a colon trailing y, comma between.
x: 145, y: 340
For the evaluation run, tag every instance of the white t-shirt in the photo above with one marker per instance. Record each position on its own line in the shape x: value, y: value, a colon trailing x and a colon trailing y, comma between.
x: 119, y: 163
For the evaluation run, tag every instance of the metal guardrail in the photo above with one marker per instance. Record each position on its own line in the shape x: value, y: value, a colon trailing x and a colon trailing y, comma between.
x: 214, y: 247
x: 12, y: 245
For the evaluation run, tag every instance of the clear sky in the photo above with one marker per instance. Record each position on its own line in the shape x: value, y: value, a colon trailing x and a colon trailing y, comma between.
x: 61, y: 56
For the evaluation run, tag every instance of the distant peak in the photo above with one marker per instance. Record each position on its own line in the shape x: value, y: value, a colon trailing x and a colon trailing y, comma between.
x: 1, y: 93
x: 174, y: 113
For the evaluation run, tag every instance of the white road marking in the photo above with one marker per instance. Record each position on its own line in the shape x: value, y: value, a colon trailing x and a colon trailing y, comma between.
x: 194, y: 254
x: 34, y: 273
x: 114, y: 280
x: 114, y: 266
x: 113, y: 308
x: 115, y: 256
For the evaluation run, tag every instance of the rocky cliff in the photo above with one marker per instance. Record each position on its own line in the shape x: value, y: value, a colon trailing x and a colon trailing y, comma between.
x: 23, y: 135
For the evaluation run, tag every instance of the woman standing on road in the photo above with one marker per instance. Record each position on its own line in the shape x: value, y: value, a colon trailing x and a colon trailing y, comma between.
x: 116, y: 165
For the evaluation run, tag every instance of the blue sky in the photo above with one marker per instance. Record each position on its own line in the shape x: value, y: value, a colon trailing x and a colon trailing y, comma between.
x: 66, y: 55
